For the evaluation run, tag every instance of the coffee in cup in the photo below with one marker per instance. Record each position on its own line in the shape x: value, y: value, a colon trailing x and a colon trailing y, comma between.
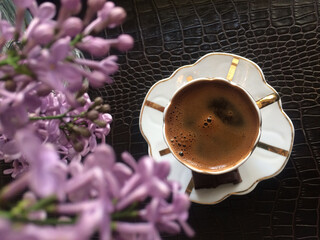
x: 212, y: 125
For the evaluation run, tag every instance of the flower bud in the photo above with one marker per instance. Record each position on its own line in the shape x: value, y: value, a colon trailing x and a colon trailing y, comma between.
x: 125, y: 42
x: 74, y: 6
x: 105, y: 108
x: 100, y: 123
x: 43, y: 34
x: 93, y: 115
x: 95, y: 5
x: 46, y: 10
x: 97, y: 79
x: 96, y: 46
x: 81, y: 101
x: 78, y: 146
x: 73, y: 137
x: 97, y: 101
x: 10, y: 85
x: 23, y: 3
x: 43, y: 90
x: 83, y: 90
x: 81, y: 131
x: 72, y: 26
x: 116, y: 17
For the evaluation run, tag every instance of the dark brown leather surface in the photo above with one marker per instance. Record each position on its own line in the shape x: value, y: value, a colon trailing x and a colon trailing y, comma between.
x: 282, y: 37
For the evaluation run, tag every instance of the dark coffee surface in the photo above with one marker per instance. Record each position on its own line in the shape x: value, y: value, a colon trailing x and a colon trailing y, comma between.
x: 282, y: 37
x: 211, y: 125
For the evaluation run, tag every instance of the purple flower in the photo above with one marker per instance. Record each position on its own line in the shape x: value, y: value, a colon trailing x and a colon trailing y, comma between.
x: 6, y: 30
x: 132, y: 231
x: 13, y: 119
x: 124, y: 42
x: 102, y: 157
x: 43, y: 33
x: 71, y: 26
x: 46, y: 11
x: 52, y: 70
x: 106, y: 67
x: 23, y: 3
x: 168, y: 217
x: 42, y: 14
x: 145, y: 182
x: 96, y: 46
x: 47, y: 172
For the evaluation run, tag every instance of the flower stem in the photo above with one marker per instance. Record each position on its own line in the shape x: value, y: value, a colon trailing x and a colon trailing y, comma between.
x: 48, y: 221
x: 60, y: 116
x: 14, y: 188
x: 125, y: 215
x: 77, y: 39
x: 43, y: 203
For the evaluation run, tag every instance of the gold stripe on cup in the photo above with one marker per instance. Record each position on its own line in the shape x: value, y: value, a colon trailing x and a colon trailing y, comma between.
x: 273, y: 149
x: 267, y: 100
x: 154, y: 105
x: 189, y: 78
x: 232, y: 68
x: 190, y: 187
x: 164, y: 152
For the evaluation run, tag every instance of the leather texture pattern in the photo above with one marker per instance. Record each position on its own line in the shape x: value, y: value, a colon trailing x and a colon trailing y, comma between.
x: 282, y: 37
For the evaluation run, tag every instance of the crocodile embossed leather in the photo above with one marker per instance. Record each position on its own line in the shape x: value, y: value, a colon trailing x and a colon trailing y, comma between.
x: 282, y: 37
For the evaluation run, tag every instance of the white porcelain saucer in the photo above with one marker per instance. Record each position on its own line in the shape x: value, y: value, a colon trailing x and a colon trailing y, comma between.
x: 268, y: 158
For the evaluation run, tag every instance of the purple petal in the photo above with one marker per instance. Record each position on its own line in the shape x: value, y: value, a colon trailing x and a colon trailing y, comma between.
x: 187, y: 229
x: 159, y: 188
x: 13, y: 119
x: 23, y: 3
x: 105, y: 11
x: 103, y: 156
x: 72, y: 26
x: 125, y: 42
x: 10, y: 148
x: 139, y: 194
x: 71, y: 76
x: 32, y: 102
x: 6, y: 30
x: 162, y: 169
x: 113, y: 184
x: 43, y: 33
x: 129, y: 185
x: 46, y: 11
x: 128, y: 159
x: 146, y: 167
x: 47, y: 176
x: 60, y: 49
x: 134, y: 228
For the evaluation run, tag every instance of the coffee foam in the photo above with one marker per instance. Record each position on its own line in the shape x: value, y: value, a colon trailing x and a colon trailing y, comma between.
x: 193, y: 137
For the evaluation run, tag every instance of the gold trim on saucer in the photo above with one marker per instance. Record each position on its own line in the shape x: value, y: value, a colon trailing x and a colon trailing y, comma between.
x: 267, y: 100
x: 154, y: 105
x: 263, y: 81
x: 273, y: 149
x: 164, y: 152
x: 189, y: 78
x: 232, y: 68
x: 189, y: 187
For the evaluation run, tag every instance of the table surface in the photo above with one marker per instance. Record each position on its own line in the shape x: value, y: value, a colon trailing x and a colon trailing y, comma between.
x: 282, y: 38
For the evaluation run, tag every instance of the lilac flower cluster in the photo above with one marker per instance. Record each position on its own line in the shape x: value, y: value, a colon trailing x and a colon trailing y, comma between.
x: 43, y: 83
x: 101, y: 194
x: 54, y: 135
